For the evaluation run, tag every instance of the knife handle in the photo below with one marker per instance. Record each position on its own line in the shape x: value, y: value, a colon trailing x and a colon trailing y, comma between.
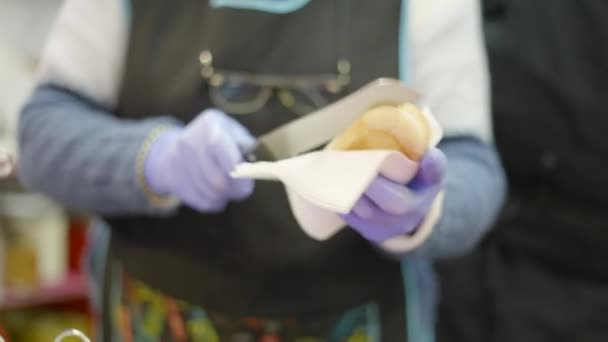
x: 258, y: 153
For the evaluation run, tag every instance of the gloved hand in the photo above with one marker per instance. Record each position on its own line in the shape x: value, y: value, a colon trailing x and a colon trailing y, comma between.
x: 194, y: 163
x: 388, y: 209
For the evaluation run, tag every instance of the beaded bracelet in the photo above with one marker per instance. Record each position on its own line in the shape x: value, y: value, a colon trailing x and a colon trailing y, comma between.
x: 154, y: 198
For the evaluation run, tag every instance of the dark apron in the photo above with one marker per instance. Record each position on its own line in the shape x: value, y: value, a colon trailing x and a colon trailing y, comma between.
x: 542, y: 274
x: 253, y: 259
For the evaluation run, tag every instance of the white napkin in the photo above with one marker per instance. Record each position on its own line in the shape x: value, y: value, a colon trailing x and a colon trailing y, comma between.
x: 324, y: 184
x: 321, y: 185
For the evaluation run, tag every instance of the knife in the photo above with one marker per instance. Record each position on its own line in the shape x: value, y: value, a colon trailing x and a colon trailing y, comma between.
x: 321, y: 126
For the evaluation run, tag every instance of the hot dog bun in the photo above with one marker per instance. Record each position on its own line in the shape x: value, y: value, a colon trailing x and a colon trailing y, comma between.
x: 401, y: 128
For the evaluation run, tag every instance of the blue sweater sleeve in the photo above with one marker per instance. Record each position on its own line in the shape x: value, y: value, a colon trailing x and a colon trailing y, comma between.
x: 82, y: 155
x: 474, y: 194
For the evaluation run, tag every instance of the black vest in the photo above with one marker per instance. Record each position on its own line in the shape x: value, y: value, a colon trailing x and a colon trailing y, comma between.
x: 251, y: 259
x: 550, y: 80
x: 550, y: 77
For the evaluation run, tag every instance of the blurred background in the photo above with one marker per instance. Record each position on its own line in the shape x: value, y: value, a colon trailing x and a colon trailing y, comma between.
x: 42, y: 285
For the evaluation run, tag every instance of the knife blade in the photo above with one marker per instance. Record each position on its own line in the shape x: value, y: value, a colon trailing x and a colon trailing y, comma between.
x: 321, y: 126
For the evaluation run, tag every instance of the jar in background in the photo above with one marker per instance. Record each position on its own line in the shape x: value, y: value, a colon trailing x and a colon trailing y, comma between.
x: 35, y: 241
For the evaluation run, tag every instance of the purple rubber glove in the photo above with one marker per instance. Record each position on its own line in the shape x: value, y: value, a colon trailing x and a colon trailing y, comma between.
x: 388, y: 209
x: 194, y: 163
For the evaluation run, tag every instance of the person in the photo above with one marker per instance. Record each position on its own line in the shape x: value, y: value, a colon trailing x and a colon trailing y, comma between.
x: 144, y: 107
x: 540, y: 275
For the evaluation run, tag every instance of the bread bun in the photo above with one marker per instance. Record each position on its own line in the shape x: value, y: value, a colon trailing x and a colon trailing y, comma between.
x: 401, y: 128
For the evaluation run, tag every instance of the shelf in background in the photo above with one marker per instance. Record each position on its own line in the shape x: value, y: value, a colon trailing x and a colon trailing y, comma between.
x: 72, y: 288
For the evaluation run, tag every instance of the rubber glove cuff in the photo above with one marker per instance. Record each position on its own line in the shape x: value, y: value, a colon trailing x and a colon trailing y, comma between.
x: 143, y: 166
x: 158, y: 157
x: 406, y: 243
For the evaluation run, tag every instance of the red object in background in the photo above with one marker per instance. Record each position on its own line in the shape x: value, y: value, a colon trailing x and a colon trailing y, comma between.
x: 73, y: 289
x: 269, y: 338
x: 4, y: 334
x: 78, y: 234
